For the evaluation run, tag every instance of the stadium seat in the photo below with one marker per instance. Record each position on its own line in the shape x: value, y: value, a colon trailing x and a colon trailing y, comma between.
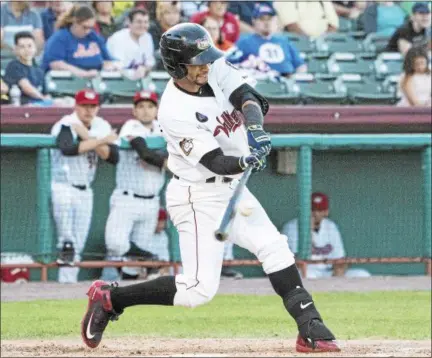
x: 159, y: 80
x: 338, y: 42
x: 317, y: 63
x: 63, y: 83
x: 278, y: 91
x: 301, y: 43
x: 346, y: 25
x: 7, y: 53
x: 349, y: 63
x: 117, y: 88
x: 388, y: 63
x: 363, y: 90
x: 391, y: 85
x: 375, y: 43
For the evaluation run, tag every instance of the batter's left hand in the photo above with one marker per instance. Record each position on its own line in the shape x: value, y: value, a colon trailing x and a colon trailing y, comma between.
x: 258, y: 139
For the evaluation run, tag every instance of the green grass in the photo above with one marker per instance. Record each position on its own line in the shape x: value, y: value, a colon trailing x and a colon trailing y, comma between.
x: 391, y: 315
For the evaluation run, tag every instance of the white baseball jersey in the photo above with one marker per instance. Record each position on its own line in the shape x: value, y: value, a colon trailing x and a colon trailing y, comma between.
x: 198, y: 125
x: 132, y: 173
x: 79, y: 169
x: 326, y: 243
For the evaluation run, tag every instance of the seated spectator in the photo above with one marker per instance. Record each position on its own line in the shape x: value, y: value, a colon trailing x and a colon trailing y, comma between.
x: 105, y: 23
x: 190, y: 8
x: 51, y: 15
x: 383, y: 18
x: 4, y: 90
x: 349, y: 9
x: 415, y: 83
x: 326, y: 242
x: 133, y: 46
x: 415, y: 33
x: 167, y: 15
x: 76, y: 47
x: 212, y: 26
x: 276, y: 51
x: 228, y: 23
x: 244, y: 9
x: 309, y: 18
x: 17, y: 16
x: 24, y: 72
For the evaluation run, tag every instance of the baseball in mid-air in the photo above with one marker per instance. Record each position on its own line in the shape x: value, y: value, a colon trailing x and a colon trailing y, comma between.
x: 246, y: 207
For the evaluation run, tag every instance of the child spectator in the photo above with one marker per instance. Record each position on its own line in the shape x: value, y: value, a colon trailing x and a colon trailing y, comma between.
x: 16, y: 16
x: 244, y: 9
x: 51, y: 15
x: 24, y: 72
x: 133, y: 46
x: 228, y: 23
x: 167, y: 15
x: 212, y: 26
x: 76, y: 47
x: 105, y: 23
x: 415, y: 83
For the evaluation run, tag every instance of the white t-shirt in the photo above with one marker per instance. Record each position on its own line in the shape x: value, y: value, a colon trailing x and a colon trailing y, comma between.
x: 78, y: 169
x: 193, y: 125
x: 132, y: 173
x: 326, y: 243
x: 130, y: 53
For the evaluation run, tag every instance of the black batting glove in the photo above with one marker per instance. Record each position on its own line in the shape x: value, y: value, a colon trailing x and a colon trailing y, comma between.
x: 257, y: 160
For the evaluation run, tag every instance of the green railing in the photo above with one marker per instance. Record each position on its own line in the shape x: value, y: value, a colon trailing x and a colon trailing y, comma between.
x: 304, y: 144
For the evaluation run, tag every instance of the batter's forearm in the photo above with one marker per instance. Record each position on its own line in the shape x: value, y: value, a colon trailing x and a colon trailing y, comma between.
x: 221, y: 164
x: 252, y: 113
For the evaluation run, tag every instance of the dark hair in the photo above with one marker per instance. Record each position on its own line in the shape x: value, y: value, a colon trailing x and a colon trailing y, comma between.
x: 80, y: 13
x: 23, y: 35
x: 411, y: 55
x: 135, y: 12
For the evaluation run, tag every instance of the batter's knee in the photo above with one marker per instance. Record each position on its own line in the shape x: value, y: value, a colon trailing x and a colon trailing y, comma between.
x: 275, y: 255
x: 194, y: 296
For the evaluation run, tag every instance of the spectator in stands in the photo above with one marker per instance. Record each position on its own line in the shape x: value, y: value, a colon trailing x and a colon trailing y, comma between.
x: 276, y: 51
x: 244, y: 9
x: 383, y: 18
x: 190, y: 8
x: 76, y: 47
x: 415, y: 83
x: 51, y: 15
x: 121, y: 7
x: 326, y: 242
x: 349, y: 9
x: 133, y: 46
x: 415, y: 33
x: 17, y: 16
x: 24, y: 72
x: 4, y: 90
x: 212, y: 26
x: 228, y: 23
x: 105, y: 22
x: 309, y: 18
x: 167, y: 15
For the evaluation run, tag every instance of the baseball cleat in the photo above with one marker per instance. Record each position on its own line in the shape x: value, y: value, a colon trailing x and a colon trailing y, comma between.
x: 318, y: 346
x: 99, y: 312
x: 66, y: 255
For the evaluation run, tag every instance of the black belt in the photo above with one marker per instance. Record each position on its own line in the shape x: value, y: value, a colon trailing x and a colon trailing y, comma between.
x: 140, y: 196
x: 80, y: 187
x: 213, y: 179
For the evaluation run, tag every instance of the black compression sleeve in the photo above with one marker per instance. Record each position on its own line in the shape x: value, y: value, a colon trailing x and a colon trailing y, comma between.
x: 149, y: 156
x: 247, y: 93
x: 66, y: 143
x: 113, y: 157
x: 253, y: 115
x: 221, y: 164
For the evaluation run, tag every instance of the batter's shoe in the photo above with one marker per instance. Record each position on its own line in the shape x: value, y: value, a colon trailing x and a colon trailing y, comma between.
x: 229, y: 273
x: 318, y: 346
x: 99, y: 312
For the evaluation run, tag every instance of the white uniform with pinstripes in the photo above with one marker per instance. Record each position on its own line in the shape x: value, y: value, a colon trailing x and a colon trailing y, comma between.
x: 134, y: 219
x: 72, y: 207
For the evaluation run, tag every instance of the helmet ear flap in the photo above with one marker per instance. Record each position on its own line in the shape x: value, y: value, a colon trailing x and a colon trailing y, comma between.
x: 180, y: 71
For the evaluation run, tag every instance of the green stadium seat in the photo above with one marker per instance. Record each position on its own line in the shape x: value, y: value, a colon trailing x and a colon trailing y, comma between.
x: 388, y: 63
x: 338, y: 42
x: 339, y: 63
x: 159, y: 80
x: 63, y: 83
x: 278, y: 92
x: 117, y: 88
x: 317, y: 63
x: 6, y: 53
x: 375, y: 43
x: 346, y: 25
x: 302, y: 43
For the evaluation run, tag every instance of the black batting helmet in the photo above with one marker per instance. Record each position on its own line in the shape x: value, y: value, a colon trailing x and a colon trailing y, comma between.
x: 187, y: 44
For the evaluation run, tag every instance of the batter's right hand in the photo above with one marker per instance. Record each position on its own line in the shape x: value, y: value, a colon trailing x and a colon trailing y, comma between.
x: 257, y: 160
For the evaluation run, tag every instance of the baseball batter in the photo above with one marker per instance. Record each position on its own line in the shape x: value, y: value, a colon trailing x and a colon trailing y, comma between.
x: 140, y: 176
x: 81, y: 138
x: 212, y: 121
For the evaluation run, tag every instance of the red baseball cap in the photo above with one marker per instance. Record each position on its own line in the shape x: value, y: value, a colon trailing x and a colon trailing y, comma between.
x: 145, y: 96
x: 163, y: 215
x: 87, y: 96
x: 320, y: 202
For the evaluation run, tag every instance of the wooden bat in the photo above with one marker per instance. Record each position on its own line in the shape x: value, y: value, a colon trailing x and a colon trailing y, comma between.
x: 221, y: 233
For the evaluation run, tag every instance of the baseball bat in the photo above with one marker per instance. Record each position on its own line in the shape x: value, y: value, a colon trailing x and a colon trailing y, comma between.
x: 221, y: 233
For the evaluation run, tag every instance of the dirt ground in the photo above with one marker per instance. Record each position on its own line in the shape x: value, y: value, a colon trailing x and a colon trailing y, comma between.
x: 160, y: 347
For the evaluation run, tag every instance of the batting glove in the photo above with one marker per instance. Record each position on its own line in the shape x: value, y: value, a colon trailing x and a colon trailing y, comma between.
x: 257, y: 160
x: 258, y: 139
